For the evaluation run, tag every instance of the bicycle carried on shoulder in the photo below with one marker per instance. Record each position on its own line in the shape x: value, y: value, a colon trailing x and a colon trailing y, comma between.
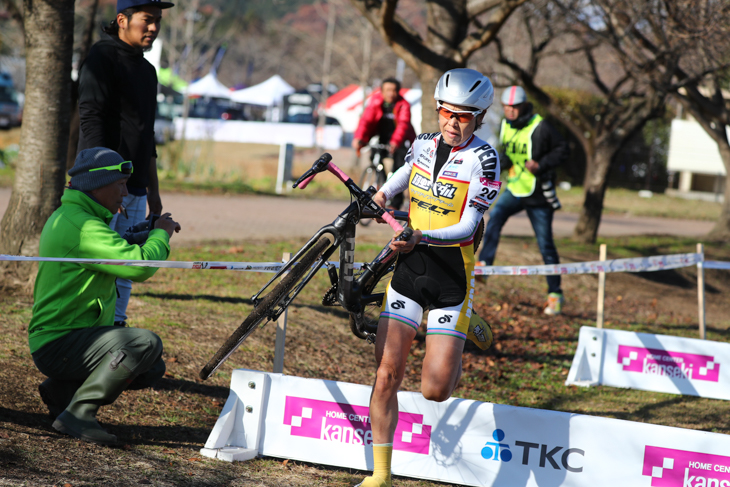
x: 360, y: 294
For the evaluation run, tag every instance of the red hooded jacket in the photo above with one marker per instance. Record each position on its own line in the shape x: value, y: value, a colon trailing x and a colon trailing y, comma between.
x: 368, y: 125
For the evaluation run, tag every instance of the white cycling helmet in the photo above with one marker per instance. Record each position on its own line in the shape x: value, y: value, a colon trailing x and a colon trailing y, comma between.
x: 465, y: 87
x: 514, y: 95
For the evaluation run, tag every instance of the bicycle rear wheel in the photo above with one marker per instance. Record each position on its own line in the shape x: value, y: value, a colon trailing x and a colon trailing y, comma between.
x: 265, y: 307
x: 365, y: 323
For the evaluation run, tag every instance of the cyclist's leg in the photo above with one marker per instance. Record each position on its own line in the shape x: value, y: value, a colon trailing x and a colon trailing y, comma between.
x: 400, y: 319
x: 445, y: 339
x: 396, y: 329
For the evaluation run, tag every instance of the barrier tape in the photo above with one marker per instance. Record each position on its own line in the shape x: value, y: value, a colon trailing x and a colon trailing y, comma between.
x: 716, y: 264
x: 634, y: 264
x: 166, y: 264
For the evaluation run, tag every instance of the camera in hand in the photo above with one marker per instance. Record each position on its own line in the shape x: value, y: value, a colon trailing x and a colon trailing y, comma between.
x: 152, y: 219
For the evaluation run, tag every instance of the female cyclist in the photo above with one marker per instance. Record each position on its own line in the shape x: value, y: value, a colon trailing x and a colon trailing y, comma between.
x: 453, y: 178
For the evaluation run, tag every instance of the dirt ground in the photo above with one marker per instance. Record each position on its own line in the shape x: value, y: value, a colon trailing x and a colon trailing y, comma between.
x: 162, y: 430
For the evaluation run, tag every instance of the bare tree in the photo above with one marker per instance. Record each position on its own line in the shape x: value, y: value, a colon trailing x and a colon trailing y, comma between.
x: 690, y: 40
x: 87, y: 39
x: 626, y: 95
x: 455, y: 30
x: 40, y: 169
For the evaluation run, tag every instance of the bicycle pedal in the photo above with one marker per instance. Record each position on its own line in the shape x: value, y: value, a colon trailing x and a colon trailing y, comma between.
x: 330, y: 297
x: 370, y: 338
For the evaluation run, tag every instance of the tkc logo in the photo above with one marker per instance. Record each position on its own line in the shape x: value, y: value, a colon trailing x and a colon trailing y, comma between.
x: 679, y: 468
x: 499, y: 451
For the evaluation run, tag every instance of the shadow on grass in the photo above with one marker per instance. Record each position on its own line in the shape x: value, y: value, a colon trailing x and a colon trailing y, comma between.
x: 128, y: 434
x: 188, y: 386
x: 196, y: 297
x: 334, y: 310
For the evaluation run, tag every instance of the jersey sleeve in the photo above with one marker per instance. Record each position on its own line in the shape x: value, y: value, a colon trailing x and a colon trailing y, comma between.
x: 398, y: 182
x: 483, y: 190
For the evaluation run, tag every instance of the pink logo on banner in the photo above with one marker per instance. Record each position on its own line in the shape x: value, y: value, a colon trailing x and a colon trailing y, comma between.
x: 677, y: 365
x: 345, y: 423
x: 678, y: 468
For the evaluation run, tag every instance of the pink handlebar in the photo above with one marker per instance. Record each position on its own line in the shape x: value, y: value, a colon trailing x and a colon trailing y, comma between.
x: 392, y: 222
x: 304, y: 183
x: 331, y: 167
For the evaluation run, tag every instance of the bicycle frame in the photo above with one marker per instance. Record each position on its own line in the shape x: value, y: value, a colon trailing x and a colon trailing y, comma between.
x: 342, y: 230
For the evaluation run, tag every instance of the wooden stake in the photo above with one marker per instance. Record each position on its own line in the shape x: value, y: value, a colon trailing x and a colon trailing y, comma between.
x: 601, y: 289
x: 281, y: 331
x: 701, y: 289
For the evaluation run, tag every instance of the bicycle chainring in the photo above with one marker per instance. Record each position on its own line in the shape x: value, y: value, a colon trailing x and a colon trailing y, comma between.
x: 330, y: 297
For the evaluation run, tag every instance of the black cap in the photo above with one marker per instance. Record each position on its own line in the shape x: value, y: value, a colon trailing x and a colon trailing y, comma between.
x: 125, y: 4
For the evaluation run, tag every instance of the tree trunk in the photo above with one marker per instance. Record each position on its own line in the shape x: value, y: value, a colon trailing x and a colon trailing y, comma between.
x: 40, y: 170
x: 86, y: 41
x: 429, y: 76
x: 448, y: 22
x: 721, y: 230
x: 598, y: 163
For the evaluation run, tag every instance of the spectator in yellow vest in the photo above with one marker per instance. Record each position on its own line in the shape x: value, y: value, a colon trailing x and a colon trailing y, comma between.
x: 531, y: 149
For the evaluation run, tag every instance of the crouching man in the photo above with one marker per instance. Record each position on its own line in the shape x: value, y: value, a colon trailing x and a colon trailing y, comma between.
x: 88, y: 360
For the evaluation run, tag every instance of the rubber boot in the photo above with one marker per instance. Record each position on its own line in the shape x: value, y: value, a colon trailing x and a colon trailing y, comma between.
x: 102, y: 387
x: 57, y: 394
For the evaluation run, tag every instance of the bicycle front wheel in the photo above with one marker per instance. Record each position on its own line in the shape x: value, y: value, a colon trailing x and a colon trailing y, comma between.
x: 265, y: 307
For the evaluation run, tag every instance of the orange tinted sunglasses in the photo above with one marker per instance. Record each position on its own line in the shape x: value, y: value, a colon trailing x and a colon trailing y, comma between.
x: 462, y: 116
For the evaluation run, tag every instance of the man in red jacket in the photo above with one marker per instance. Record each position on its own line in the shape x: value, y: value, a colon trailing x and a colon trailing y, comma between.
x: 388, y: 115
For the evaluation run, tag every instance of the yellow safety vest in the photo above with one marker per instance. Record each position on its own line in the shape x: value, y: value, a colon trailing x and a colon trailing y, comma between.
x: 517, y: 145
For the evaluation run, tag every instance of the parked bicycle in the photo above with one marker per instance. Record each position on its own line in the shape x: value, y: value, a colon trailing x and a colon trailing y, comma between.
x: 360, y: 293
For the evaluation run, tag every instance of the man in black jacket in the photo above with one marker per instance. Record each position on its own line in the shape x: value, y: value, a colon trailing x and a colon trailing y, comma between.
x: 117, y: 105
x: 531, y: 148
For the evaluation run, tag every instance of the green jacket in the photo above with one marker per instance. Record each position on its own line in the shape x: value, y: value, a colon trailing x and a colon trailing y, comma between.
x: 72, y: 296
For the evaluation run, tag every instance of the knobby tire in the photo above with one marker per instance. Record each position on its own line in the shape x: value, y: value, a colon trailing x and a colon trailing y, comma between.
x: 260, y: 312
x: 371, y: 311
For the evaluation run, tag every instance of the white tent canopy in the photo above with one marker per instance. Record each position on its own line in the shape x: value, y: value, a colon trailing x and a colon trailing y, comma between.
x: 208, y: 86
x: 268, y: 93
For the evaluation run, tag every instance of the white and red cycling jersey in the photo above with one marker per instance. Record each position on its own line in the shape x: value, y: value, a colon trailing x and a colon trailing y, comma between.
x: 447, y: 207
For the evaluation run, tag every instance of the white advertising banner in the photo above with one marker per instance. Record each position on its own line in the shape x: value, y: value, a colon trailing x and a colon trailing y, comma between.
x: 462, y: 441
x: 648, y: 362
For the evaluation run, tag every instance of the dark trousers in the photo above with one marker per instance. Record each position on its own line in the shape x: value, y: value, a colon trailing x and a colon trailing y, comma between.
x: 75, y: 355
x: 541, y: 218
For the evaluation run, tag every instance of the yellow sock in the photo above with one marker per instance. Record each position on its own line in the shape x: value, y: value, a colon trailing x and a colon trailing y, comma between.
x: 382, y: 455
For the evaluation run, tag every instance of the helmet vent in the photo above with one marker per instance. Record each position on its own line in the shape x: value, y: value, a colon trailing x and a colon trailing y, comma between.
x: 448, y: 76
x: 475, y: 86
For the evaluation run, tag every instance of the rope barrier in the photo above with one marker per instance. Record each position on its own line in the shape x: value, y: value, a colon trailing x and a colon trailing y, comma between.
x: 634, y: 264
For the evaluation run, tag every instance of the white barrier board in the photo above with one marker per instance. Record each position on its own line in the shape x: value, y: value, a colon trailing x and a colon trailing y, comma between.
x: 460, y: 441
x: 648, y: 362
x: 299, y: 134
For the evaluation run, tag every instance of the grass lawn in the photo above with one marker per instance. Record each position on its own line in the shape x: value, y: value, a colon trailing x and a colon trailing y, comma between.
x: 161, y: 430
